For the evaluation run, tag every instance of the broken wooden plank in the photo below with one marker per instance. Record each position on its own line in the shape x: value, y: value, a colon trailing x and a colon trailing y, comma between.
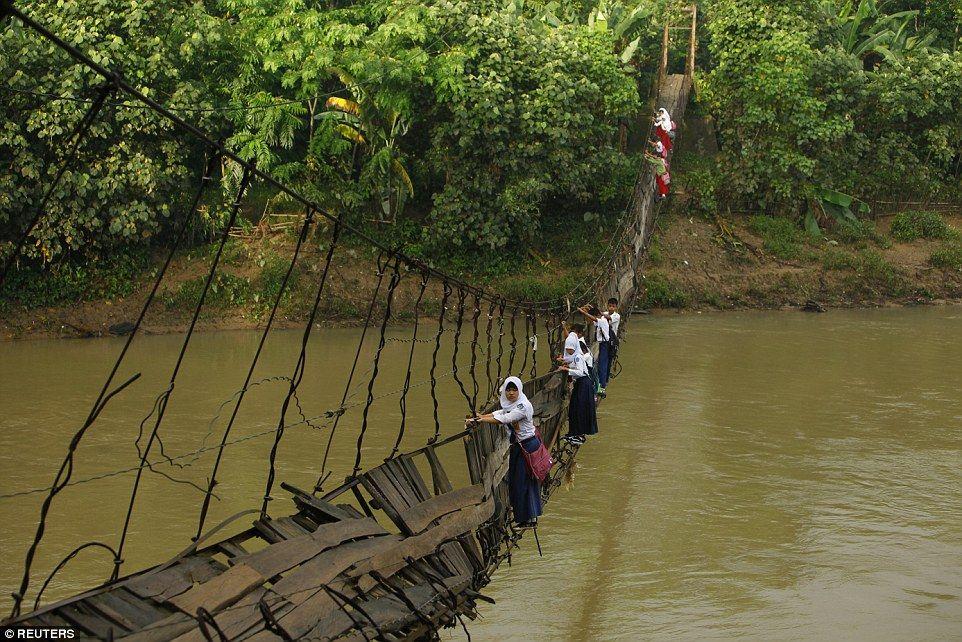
x: 296, y: 585
x: 221, y: 591
x: 449, y: 527
x: 439, y: 476
x: 324, y: 509
x: 419, y: 517
x: 167, y: 582
x: 283, y: 556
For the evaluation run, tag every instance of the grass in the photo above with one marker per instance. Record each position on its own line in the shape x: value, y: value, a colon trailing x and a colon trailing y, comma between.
x: 914, y: 225
x: 858, y: 233
x: 661, y: 292
x: 779, y: 235
x: 226, y: 290
x: 873, y: 274
x: 834, y: 259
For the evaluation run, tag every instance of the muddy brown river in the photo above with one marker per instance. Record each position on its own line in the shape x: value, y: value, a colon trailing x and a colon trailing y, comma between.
x: 757, y: 475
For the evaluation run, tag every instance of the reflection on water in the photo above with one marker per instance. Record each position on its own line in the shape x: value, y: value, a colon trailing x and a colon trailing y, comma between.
x: 758, y: 475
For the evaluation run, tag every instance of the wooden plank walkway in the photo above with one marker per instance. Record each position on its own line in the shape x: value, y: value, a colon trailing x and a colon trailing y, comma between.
x: 390, y: 555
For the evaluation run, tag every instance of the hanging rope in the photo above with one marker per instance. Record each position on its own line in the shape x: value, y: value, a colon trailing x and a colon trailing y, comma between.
x: 62, y: 478
x: 407, y: 375
x: 501, y: 307
x: 298, y: 369
x: 457, y: 342
x: 474, y: 354
x: 434, y: 361
x: 382, y: 263
x: 392, y: 286
x: 514, y: 340
x: 165, y: 400
x: 205, y: 505
x: 487, y: 351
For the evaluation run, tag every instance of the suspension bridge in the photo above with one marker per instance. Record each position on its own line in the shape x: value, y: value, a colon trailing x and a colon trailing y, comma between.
x: 395, y: 552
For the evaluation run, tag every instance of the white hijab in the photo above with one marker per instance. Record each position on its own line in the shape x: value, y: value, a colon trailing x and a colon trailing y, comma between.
x: 663, y: 120
x: 505, y: 404
x: 571, y: 343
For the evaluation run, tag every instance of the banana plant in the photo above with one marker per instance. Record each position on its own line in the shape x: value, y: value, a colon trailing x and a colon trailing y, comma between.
x: 375, y: 131
x: 828, y: 204
x: 613, y: 17
x: 868, y: 33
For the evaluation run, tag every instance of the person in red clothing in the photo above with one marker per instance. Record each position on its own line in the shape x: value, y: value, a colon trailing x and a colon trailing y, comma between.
x: 664, y: 128
x: 662, y: 177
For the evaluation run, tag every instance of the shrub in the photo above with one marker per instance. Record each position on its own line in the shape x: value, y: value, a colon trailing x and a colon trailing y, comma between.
x: 948, y: 256
x: 661, y: 292
x: 914, y: 225
x: 225, y: 290
x: 858, y: 232
x: 115, y: 275
x: 879, y: 274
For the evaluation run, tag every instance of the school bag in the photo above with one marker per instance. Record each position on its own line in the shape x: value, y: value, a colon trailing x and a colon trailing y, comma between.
x: 539, y: 462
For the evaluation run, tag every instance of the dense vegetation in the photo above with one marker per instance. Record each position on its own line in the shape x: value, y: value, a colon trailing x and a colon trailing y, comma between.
x: 844, y: 95
x: 465, y: 130
x: 458, y: 122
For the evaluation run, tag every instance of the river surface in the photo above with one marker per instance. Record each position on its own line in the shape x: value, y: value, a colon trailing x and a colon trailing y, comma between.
x: 758, y: 475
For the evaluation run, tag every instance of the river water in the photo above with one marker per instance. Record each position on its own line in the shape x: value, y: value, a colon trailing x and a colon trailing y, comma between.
x: 760, y: 475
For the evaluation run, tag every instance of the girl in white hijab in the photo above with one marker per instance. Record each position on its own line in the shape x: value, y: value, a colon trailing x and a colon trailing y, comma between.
x: 664, y: 128
x: 581, y: 406
x: 517, y: 413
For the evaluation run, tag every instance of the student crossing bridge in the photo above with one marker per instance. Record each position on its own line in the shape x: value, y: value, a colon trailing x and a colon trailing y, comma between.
x: 395, y: 552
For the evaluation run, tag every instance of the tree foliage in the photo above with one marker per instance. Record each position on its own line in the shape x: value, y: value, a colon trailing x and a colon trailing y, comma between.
x: 129, y: 170
x: 524, y: 110
x: 846, y: 96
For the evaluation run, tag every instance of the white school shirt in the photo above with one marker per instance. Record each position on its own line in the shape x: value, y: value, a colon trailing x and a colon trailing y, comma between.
x: 615, y: 320
x: 577, y: 367
x: 588, y: 357
x: 601, y: 328
x: 523, y: 413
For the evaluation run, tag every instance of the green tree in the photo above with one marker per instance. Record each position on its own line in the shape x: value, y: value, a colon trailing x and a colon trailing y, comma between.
x: 524, y: 111
x: 131, y: 167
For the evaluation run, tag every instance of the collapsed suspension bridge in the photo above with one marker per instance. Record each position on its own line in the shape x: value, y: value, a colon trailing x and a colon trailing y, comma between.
x: 397, y: 551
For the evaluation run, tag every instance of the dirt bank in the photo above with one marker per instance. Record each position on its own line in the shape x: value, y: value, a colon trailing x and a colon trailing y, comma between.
x: 697, y: 262
x: 701, y: 262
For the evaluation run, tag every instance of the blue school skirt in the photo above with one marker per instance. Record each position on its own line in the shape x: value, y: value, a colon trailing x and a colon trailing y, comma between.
x: 524, y: 491
x: 581, y: 408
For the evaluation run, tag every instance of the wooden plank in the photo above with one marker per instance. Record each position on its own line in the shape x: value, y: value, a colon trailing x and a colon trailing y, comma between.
x: 439, y: 476
x: 449, y: 527
x: 287, y: 527
x: 232, y: 549
x: 384, y: 492
x: 91, y: 622
x: 168, y: 582
x: 419, y: 517
x: 296, y: 585
x: 285, y: 555
x: 166, y: 629
x: 392, y: 613
x: 234, y: 621
x: 396, y: 475
x: 221, y: 591
x: 326, y: 510
x: 414, y: 476
x: 117, y: 611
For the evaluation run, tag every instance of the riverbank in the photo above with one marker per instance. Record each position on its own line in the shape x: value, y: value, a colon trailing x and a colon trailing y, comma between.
x: 758, y: 262
x: 696, y: 263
